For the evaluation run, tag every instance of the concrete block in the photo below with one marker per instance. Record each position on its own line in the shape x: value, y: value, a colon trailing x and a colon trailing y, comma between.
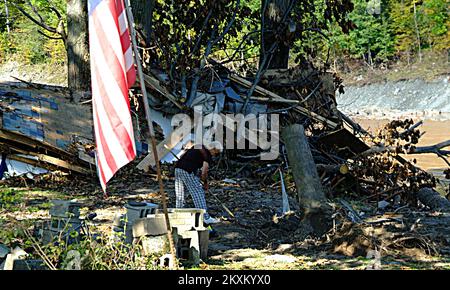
x: 16, y: 254
x: 139, y: 210
x: 185, y: 218
x: 60, y: 228
x: 155, y: 245
x: 65, y: 209
x: 203, y: 237
x: 65, y: 224
x: 122, y: 234
x: 188, y: 247
x: 166, y: 261
x: 152, y: 225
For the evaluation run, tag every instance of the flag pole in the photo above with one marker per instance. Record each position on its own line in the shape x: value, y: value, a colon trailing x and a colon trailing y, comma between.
x: 151, y: 130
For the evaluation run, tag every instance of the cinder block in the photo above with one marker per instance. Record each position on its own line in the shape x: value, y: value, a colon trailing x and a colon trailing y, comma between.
x: 135, y: 212
x: 167, y: 261
x: 185, y: 218
x: 188, y: 246
x: 58, y: 227
x: 4, y: 250
x: 153, y: 225
x: 155, y: 245
x: 65, y: 209
x: 121, y: 234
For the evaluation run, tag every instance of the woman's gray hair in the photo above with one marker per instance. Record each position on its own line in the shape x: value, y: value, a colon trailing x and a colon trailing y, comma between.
x: 215, y: 145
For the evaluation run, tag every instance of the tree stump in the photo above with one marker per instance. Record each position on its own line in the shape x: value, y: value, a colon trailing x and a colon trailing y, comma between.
x: 311, y: 197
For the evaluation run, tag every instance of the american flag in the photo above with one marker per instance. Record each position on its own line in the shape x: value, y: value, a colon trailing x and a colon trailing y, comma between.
x: 112, y: 74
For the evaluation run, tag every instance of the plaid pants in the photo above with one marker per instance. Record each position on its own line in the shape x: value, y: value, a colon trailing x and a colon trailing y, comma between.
x: 192, y: 183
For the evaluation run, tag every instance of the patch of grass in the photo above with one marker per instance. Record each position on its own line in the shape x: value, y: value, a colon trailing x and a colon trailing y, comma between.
x: 10, y: 199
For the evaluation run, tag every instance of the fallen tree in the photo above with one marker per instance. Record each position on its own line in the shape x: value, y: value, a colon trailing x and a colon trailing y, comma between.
x: 433, y: 199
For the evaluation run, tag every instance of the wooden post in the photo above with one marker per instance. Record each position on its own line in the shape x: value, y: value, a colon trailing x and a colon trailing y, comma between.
x: 151, y: 129
x: 311, y: 196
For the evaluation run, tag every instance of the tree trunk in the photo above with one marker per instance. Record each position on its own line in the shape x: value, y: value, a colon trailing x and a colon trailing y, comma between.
x: 272, y: 17
x: 77, y: 46
x: 311, y: 196
x: 417, y: 33
x: 433, y: 199
x: 142, y: 13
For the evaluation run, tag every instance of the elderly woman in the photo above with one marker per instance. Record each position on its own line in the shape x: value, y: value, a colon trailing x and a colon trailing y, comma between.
x: 186, y: 170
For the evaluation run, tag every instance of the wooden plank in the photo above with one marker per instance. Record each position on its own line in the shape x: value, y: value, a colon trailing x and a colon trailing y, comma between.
x: 47, y: 159
x: 33, y: 144
x: 154, y: 83
x: 273, y: 96
x: 30, y: 161
x: 62, y: 163
x: 286, y: 101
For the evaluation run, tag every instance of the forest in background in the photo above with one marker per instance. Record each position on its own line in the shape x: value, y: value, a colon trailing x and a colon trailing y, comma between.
x: 383, y: 31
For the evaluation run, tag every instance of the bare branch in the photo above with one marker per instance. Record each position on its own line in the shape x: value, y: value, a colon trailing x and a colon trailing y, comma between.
x: 412, y: 128
x: 37, y: 22
x: 50, y: 37
x: 432, y: 149
x: 436, y: 149
x: 33, y: 8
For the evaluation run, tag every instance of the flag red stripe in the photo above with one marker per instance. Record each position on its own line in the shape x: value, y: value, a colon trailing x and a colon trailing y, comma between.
x: 111, y: 81
x: 112, y: 5
x: 125, y: 41
x: 113, y: 62
x: 114, y: 120
x: 131, y: 75
x: 105, y: 149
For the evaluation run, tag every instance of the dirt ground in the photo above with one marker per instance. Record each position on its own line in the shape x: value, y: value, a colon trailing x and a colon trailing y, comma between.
x: 259, y: 237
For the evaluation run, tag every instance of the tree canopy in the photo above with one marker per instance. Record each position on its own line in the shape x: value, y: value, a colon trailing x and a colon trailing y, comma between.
x: 185, y: 30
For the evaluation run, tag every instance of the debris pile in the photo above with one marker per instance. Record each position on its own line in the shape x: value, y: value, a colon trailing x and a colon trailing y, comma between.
x: 348, y: 160
x: 44, y: 127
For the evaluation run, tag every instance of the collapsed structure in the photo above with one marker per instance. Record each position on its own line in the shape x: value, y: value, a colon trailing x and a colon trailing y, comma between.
x: 327, y: 152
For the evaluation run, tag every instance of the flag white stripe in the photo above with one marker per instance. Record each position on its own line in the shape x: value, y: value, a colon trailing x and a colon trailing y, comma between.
x: 113, y: 89
x: 114, y: 145
x: 129, y: 58
x: 100, y: 153
x: 106, y: 21
x: 122, y: 22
